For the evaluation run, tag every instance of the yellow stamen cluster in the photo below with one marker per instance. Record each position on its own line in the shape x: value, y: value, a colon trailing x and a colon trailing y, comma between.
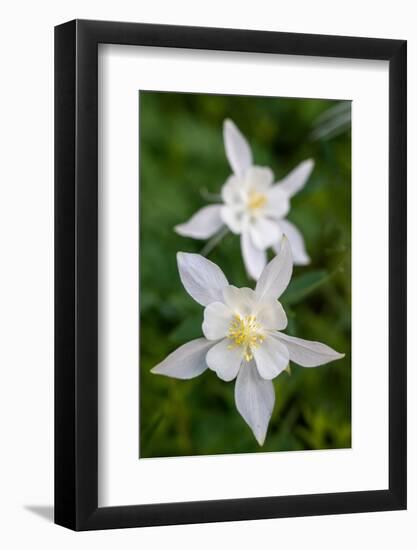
x: 245, y: 332
x: 256, y: 200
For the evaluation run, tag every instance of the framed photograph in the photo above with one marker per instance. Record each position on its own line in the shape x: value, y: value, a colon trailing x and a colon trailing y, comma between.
x: 230, y: 253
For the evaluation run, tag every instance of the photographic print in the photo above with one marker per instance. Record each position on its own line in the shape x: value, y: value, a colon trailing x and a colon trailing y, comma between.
x: 245, y: 274
x: 204, y: 238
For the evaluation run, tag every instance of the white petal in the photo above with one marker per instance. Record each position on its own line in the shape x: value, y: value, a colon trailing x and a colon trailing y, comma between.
x: 237, y: 149
x: 264, y: 232
x: 186, y: 362
x: 276, y: 275
x: 233, y: 191
x: 217, y: 319
x: 299, y: 253
x: 271, y: 359
x: 259, y: 178
x: 308, y: 353
x: 271, y: 315
x: 253, y: 257
x: 240, y: 301
x: 296, y: 179
x: 278, y: 204
x: 203, y: 224
x: 202, y: 279
x: 224, y: 359
x: 255, y: 398
x: 233, y: 218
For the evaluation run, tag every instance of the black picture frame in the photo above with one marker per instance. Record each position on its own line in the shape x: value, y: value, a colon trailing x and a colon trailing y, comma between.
x: 76, y: 272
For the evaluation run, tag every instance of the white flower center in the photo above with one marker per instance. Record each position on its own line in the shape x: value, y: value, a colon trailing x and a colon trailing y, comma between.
x: 245, y: 332
x: 256, y: 200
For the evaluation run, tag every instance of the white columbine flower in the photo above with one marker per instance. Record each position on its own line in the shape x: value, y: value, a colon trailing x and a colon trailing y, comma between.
x: 253, y: 207
x: 242, y: 335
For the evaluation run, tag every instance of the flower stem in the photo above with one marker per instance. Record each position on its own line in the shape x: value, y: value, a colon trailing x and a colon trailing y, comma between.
x: 214, y: 241
x: 209, y: 197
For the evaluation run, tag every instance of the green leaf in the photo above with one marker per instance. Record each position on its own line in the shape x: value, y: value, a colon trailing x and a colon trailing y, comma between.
x: 302, y: 286
x: 187, y: 330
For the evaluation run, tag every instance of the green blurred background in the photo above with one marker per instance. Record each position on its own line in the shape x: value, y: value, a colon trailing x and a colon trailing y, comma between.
x: 182, y: 162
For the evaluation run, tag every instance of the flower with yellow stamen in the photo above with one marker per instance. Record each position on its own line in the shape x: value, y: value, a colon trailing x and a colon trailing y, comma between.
x: 254, y: 206
x: 242, y: 335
